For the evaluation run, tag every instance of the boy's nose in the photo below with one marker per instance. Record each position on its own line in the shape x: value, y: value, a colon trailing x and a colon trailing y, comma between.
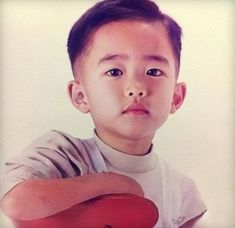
x: 135, y: 91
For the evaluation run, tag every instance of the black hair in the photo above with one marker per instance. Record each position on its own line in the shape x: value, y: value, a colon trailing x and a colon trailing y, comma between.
x: 107, y: 11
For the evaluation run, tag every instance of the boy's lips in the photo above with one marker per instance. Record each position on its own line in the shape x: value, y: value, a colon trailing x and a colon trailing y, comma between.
x: 136, y: 109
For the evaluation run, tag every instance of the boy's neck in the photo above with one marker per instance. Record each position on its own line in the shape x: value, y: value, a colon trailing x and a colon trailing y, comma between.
x: 137, y: 147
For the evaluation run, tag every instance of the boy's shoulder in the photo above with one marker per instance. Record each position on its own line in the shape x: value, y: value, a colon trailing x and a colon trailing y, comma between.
x: 175, y: 181
x: 53, y: 155
x: 171, y: 174
x: 55, y: 137
x: 59, y: 141
x: 180, y: 191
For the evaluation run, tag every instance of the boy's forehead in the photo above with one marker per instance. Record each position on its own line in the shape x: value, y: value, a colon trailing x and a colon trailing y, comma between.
x: 126, y: 35
x: 124, y: 28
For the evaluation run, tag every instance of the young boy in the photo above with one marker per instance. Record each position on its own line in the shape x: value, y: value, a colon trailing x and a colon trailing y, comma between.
x: 125, y: 57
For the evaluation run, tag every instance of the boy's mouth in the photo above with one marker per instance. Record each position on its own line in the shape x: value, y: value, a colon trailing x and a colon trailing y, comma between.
x: 137, y: 109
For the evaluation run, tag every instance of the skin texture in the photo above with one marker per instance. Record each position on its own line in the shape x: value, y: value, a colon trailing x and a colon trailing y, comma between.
x: 127, y: 82
x: 48, y: 197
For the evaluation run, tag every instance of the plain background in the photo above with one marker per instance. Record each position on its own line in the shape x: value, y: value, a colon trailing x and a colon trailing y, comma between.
x: 198, y: 139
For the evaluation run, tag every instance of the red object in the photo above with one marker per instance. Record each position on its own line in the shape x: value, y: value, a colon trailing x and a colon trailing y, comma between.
x: 108, y: 211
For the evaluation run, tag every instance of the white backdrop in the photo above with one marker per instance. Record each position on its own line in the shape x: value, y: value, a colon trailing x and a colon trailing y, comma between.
x: 198, y: 140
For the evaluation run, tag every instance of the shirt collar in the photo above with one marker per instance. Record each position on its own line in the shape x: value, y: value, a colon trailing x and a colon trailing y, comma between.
x: 126, y: 162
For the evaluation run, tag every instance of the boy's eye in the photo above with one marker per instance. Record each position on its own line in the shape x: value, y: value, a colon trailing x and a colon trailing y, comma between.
x: 154, y: 72
x: 114, y: 72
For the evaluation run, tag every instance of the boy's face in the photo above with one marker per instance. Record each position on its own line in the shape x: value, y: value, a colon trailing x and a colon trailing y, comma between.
x: 127, y: 81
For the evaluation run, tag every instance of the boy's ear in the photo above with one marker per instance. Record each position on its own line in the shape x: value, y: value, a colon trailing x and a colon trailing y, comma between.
x: 77, y: 96
x: 178, y: 97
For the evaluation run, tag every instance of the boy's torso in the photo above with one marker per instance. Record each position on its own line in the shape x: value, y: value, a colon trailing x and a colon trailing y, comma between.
x: 59, y: 155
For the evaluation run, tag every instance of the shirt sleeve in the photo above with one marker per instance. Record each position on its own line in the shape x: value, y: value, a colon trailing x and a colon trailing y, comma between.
x: 182, y: 200
x: 192, y: 206
x: 53, y: 156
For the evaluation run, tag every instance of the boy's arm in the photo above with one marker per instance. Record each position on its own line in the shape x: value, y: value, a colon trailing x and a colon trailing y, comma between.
x: 34, y: 199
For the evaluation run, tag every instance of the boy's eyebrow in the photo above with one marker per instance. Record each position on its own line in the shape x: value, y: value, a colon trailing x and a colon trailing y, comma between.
x: 157, y: 58
x: 110, y: 57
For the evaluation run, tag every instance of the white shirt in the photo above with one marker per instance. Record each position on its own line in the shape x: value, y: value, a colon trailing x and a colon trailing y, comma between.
x: 59, y: 155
